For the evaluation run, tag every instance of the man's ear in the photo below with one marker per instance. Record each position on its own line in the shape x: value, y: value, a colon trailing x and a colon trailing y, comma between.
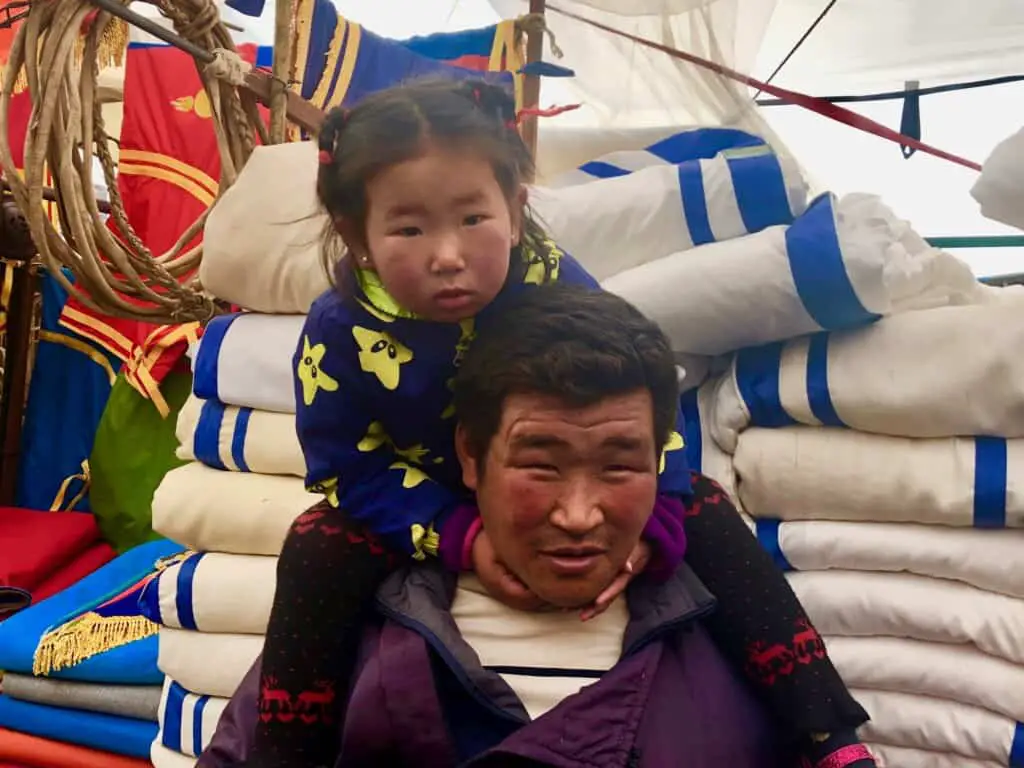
x: 467, y: 459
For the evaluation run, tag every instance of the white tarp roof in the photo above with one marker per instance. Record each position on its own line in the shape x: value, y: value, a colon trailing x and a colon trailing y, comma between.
x: 633, y: 95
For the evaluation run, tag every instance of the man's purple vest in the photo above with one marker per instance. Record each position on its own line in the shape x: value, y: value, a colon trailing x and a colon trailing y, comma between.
x: 670, y: 702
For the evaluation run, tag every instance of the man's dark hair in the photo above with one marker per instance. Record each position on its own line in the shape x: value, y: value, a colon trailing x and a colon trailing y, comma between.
x: 578, y: 344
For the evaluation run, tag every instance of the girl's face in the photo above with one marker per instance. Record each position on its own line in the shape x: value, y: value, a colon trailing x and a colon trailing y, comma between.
x: 438, y: 233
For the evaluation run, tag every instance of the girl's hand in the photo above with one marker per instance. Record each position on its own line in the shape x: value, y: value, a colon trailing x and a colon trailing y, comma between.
x: 635, y: 565
x: 499, y: 581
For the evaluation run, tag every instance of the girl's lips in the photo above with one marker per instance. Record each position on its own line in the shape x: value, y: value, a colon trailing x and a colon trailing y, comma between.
x: 453, y: 299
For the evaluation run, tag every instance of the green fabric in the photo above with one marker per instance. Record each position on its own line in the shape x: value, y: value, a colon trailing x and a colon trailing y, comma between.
x: 133, y: 450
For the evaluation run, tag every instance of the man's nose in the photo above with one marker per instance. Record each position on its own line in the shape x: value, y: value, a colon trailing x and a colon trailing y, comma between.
x: 447, y: 255
x: 578, y: 509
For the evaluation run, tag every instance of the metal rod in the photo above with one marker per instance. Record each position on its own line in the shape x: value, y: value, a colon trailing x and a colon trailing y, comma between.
x: 114, y: 8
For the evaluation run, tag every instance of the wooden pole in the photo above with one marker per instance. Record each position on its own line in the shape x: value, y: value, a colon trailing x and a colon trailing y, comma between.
x: 531, y: 83
x: 15, y: 380
x: 283, y: 70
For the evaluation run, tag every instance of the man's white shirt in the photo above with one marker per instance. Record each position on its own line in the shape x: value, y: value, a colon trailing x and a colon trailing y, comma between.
x: 544, y: 657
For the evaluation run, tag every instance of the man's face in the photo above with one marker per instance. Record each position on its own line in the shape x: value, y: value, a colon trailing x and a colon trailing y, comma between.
x: 565, y: 492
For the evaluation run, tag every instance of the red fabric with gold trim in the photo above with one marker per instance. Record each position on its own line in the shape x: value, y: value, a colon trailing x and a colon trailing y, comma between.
x: 169, y: 168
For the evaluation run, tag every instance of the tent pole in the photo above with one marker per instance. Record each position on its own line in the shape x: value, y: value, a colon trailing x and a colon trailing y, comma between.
x: 531, y: 83
x: 284, y: 66
x: 16, y: 374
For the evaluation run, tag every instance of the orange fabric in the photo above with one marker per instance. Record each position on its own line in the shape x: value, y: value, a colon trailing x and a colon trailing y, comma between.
x: 22, y: 749
x: 169, y: 169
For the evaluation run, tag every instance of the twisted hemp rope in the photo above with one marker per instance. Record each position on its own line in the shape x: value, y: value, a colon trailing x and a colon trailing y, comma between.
x: 117, y: 279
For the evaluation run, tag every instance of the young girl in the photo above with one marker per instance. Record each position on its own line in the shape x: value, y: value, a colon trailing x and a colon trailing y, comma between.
x: 425, y: 185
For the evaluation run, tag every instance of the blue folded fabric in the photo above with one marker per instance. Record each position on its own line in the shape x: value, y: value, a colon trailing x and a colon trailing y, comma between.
x: 131, y: 663
x: 120, y: 735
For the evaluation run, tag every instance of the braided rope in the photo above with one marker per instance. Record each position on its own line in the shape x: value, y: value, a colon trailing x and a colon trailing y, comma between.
x: 114, y: 278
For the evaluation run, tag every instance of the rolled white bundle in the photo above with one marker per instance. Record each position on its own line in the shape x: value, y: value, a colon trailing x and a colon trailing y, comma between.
x: 936, y: 373
x: 940, y: 670
x: 245, y: 359
x: 615, y: 224
x: 861, y: 604
x: 988, y: 560
x: 888, y: 756
x: 839, y: 265
x: 207, y: 664
x: 239, y: 439
x: 213, y: 592
x: 214, y: 511
x: 821, y: 473
x: 188, y: 720
x: 937, y: 725
x: 162, y: 757
x: 1000, y: 187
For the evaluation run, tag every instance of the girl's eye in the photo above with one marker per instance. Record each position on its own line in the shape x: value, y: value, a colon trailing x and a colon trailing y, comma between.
x: 408, y: 232
x: 476, y: 218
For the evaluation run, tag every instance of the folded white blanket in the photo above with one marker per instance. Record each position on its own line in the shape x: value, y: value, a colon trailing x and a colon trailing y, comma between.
x: 937, y: 373
x: 619, y: 223
x: 840, y: 265
x: 239, y: 439
x: 821, y: 473
x: 857, y: 603
x: 1000, y: 187
x: 245, y: 359
x: 207, y: 664
x: 989, y: 560
x: 702, y: 452
x: 888, y: 756
x: 188, y: 721
x: 241, y: 513
x: 214, y: 592
x: 938, y: 725
x: 957, y: 672
x: 162, y: 757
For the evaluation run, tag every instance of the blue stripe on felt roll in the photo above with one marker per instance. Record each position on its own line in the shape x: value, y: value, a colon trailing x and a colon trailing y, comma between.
x: 760, y: 191
x: 989, y: 482
x: 757, y: 377
x: 1017, y: 747
x: 197, y: 725
x: 207, y: 362
x: 170, y: 728
x: 702, y: 144
x: 602, y: 170
x: 819, y: 273
x: 695, y: 202
x: 691, y: 425
x: 238, y: 438
x: 817, y: 382
x: 183, y: 592
x: 768, y: 536
x: 206, y: 440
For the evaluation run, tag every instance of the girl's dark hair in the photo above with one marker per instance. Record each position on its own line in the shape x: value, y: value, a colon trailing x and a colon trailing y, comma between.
x: 392, y: 126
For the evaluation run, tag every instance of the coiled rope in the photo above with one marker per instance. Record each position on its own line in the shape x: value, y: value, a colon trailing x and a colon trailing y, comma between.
x: 119, y: 279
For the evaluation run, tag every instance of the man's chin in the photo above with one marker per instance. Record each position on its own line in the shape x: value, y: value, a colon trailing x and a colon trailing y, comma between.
x: 569, y: 593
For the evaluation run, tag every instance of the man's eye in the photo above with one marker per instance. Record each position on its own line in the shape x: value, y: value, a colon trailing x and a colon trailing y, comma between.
x: 536, y: 467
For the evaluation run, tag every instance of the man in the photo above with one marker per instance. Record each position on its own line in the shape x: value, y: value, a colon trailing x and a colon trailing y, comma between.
x: 563, y: 409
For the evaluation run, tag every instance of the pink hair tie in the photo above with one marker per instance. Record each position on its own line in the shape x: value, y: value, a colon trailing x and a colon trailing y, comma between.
x: 467, y: 544
x: 325, y: 157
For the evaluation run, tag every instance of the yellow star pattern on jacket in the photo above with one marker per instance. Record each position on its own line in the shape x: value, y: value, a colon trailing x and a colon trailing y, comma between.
x: 376, y: 438
x: 382, y: 355
x: 413, y: 475
x: 425, y: 541
x: 674, y: 443
x: 311, y: 374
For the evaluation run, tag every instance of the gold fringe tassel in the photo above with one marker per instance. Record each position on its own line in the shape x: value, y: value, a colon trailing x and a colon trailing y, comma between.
x: 111, y: 52
x: 85, y: 637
